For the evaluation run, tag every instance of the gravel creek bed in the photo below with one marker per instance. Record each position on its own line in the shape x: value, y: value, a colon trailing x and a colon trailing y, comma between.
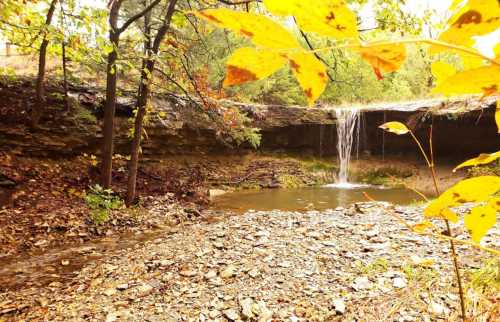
x: 344, y: 264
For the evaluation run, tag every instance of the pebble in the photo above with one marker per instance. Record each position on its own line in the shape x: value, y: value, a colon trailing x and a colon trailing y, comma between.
x: 305, y: 269
x: 339, y: 306
x: 399, y: 282
x: 361, y: 283
x: 231, y: 314
x: 228, y: 272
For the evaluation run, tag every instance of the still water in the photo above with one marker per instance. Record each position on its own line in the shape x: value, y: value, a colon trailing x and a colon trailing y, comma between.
x: 318, y: 198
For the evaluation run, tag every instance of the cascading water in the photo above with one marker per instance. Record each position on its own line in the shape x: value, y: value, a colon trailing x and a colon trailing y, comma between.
x: 347, y: 121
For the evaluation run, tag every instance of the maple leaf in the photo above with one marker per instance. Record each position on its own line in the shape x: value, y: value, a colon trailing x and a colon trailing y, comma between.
x: 328, y: 18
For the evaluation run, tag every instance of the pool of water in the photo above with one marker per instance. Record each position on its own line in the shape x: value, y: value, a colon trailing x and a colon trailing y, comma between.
x: 318, y: 198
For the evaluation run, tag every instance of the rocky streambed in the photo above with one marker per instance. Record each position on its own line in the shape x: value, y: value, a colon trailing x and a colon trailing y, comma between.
x: 344, y: 264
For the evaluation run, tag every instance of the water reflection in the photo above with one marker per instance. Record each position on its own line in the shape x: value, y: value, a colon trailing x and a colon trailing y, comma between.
x: 309, y: 198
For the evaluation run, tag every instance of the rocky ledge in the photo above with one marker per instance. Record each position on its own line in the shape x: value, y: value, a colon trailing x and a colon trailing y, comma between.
x: 338, y: 265
x: 177, y: 126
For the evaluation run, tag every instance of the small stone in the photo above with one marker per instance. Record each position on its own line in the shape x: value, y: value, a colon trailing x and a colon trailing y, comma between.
x: 213, y: 314
x: 65, y: 262
x: 339, y: 306
x: 219, y: 245
x: 263, y: 312
x: 285, y: 264
x: 188, y: 273
x: 254, y: 273
x: 42, y: 301
x: 436, y: 308
x: 122, y: 287
x: 111, y: 317
x: 231, y: 314
x: 166, y: 262
x: 361, y: 283
x: 314, y: 234
x: 246, y: 308
x: 144, y: 289
x: 228, y: 272
x: 211, y: 274
x: 110, y: 292
x: 399, y: 282
x: 216, y: 192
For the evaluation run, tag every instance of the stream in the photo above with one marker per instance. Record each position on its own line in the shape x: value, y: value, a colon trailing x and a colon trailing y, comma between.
x: 310, y: 198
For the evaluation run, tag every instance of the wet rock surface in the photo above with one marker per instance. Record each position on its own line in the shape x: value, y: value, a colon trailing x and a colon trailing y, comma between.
x: 347, y: 264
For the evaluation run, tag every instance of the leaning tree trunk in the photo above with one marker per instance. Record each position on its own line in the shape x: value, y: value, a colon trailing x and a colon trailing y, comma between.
x: 42, y: 61
x: 142, y: 102
x: 143, y: 98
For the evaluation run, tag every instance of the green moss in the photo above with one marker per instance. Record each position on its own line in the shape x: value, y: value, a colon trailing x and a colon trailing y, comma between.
x: 84, y: 115
x: 378, y: 266
x: 318, y: 166
x: 492, y: 169
x: 290, y: 181
x: 487, y: 277
x: 383, y: 176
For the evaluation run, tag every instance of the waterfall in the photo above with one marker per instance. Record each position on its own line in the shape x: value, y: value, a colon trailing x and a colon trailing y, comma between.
x: 347, y: 121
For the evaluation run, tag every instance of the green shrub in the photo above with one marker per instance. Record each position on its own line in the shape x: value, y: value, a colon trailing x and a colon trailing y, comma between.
x: 101, y: 201
x: 492, y: 169
x: 290, y: 181
x: 83, y: 114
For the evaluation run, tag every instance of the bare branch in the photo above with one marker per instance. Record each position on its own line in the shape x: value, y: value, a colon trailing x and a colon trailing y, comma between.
x: 139, y: 15
x: 236, y: 3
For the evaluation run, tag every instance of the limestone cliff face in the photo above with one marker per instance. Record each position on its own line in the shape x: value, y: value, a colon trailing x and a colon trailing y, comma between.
x: 462, y: 127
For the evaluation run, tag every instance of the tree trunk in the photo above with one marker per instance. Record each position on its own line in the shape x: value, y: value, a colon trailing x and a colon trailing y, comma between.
x: 65, y: 76
x: 109, y: 115
x: 143, y: 97
x: 142, y: 102
x: 42, y: 60
x: 110, y: 107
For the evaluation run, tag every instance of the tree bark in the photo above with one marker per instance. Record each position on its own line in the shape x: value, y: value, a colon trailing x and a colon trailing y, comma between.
x: 65, y: 76
x: 110, y: 107
x: 143, y: 97
x: 42, y: 61
x: 111, y: 80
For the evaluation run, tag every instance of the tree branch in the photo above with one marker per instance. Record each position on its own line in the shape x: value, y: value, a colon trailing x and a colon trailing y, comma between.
x: 134, y: 18
x: 236, y: 3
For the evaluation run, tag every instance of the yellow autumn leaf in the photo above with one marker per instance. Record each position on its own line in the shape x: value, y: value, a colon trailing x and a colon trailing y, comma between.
x: 480, y: 220
x: 260, y: 29
x: 421, y: 227
x: 448, y: 214
x: 494, y: 203
x: 418, y: 261
x: 497, y: 52
x: 475, y: 18
x: 310, y: 73
x: 382, y: 57
x: 483, y: 158
x: 470, y: 190
x: 471, y: 61
x: 483, y: 80
x: 249, y: 64
x: 395, y: 127
x: 442, y: 71
x: 497, y: 116
x: 328, y: 18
